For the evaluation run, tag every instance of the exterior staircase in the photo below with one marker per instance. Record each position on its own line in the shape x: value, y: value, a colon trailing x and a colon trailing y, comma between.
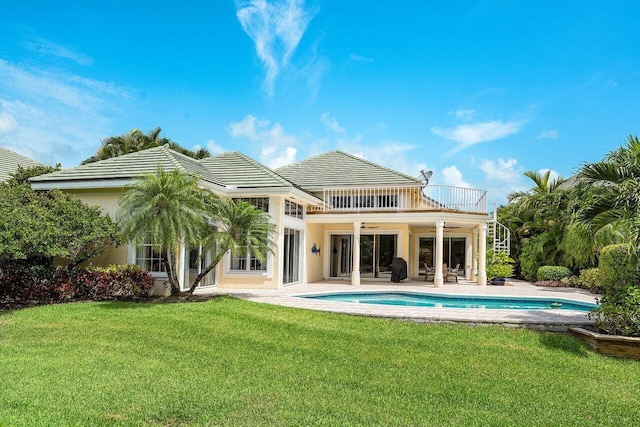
x: 498, y: 236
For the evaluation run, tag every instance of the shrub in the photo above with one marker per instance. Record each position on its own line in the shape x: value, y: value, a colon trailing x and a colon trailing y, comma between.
x: 572, y: 281
x: 551, y: 283
x: 553, y: 272
x: 499, y: 264
x: 531, y: 258
x: 618, y: 266
x: 619, y: 312
x: 590, y: 279
x: 127, y: 282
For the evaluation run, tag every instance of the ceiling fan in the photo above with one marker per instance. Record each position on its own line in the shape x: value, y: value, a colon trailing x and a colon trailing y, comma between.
x: 368, y: 226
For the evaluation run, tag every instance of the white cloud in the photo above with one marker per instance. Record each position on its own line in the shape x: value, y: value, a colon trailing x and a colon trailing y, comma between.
x: 7, y: 121
x: 502, y: 177
x: 57, y: 117
x: 465, y: 114
x: 276, y: 28
x: 451, y: 175
x: 552, y: 174
x: 46, y: 47
x: 548, y: 134
x: 332, y: 123
x: 275, y: 158
x: 469, y: 134
x: 214, y: 148
x: 277, y: 146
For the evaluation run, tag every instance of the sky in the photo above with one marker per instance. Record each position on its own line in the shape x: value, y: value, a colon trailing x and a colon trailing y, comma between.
x: 476, y: 91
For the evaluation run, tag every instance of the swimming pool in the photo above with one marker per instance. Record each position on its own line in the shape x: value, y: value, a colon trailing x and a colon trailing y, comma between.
x: 455, y: 301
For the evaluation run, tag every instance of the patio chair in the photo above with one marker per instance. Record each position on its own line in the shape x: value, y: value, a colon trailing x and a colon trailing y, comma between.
x: 452, y: 272
x: 429, y: 273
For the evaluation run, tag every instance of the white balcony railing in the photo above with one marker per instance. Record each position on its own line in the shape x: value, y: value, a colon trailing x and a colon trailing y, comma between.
x: 405, y: 198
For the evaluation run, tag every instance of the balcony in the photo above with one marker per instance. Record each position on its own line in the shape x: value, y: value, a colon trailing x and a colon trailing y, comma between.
x: 402, y: 199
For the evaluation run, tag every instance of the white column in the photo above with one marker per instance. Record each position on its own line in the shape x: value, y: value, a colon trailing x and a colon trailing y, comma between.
x: 474, y: 254
x: 355, y: 269
x: 482, y: 261
x: 438, y: 280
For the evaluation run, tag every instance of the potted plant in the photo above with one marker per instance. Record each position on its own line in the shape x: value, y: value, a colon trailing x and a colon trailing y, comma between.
x: 499, y: 267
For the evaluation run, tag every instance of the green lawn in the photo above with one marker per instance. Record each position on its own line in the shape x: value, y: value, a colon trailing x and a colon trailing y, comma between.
x: 231, y: 362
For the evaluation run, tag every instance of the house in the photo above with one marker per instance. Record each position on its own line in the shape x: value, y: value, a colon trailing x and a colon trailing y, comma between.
x: 337, y: 216
x: 10, y: 160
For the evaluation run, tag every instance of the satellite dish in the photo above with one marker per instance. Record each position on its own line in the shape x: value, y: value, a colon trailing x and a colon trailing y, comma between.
x: 426, y: 175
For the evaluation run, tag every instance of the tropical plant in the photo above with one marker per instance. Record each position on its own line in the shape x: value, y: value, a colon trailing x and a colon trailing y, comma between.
x: 168, y: 209
x: 136, y: 140
x: 614, y: 196
x: 237, y: 227
x: 499, y: 264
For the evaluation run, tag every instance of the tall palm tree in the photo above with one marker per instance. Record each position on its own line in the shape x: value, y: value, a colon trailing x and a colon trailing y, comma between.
x: 614, y: 195
x: 167, y: 208
x: 136, y: 140
x: 238, y: 227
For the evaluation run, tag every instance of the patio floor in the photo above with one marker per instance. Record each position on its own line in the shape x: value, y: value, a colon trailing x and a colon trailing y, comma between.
x: 555, y: 320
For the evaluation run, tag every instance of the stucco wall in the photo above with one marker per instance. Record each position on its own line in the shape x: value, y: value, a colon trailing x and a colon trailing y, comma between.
x: 315, y: 234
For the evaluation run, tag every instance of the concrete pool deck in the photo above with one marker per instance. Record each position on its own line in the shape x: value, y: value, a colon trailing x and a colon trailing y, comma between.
x: 554, y: 320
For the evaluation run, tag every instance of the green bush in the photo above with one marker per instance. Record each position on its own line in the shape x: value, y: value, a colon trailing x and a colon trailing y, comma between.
x: 531, y: 258
x: 618, y: 266
x: 499, y: 264
x: 619, y: 312
x: 573, y: 281
x: 590, y: 279
x: 553, y: 272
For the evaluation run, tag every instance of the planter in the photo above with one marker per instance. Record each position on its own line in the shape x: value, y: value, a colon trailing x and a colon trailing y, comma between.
x: 609, y: 345
x: 497, y: 281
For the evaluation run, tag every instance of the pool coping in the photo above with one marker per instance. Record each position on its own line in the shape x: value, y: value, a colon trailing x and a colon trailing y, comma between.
x: 551, y: 320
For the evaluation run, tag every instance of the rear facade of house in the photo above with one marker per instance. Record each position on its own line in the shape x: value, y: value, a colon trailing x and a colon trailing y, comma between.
x: 337, y: 217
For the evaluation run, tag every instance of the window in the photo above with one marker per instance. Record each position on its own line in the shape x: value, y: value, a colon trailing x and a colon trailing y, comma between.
x: 248, y: 262
x: 149, y: 257
x: 364, y: 201
x: 293, y: 209
x: 291, y: 259
x: 261, y: 203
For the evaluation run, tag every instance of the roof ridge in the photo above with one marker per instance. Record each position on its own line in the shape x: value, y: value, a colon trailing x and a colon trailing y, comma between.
x: 354, y: 157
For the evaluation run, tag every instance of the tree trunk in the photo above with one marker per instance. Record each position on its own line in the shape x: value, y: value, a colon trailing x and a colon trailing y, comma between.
x: 206, y: 271
x: 175, y: 286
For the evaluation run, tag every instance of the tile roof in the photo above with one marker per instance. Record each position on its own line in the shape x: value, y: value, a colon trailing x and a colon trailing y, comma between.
x: 235, y: 169
x: 339, y: 169
x: 10, y: 160
x: 133, y: 165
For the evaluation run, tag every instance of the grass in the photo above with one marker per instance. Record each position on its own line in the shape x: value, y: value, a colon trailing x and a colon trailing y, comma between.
x: 232, y: 362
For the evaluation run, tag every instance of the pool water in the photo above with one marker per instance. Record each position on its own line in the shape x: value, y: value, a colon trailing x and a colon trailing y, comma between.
x: 460, y: 301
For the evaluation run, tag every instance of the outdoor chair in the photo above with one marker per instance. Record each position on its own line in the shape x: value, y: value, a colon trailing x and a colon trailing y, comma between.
x: 452, y: 272
x: 429, y: 273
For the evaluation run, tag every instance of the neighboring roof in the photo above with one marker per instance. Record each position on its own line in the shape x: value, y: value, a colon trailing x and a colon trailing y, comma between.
x: 128, y: 166
x: 10, y: 160
x: 235, y: 169
x: 339, y: 169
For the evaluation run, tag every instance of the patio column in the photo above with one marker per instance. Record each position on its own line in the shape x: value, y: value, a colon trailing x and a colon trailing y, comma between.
x: 181, y: 266
x: 438, y: 278
x: 474, y: 254
x: 482, y: 261
x: 355, y: 268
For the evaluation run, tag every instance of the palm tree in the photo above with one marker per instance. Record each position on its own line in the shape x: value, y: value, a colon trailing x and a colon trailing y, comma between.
x: 170, y: 209
x: 614, y: 196
x: 136, y: 140
x: 238, y: 227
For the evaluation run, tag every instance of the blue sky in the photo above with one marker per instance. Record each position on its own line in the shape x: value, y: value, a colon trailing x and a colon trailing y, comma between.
x: 477, y: 91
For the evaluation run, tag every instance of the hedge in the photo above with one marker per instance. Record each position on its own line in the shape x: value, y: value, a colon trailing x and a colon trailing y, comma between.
x: 553, y: 272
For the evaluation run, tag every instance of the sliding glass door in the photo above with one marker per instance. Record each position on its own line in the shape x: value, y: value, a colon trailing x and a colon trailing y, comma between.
x: 291, y: 256
x: 376, y: 253
x: 453, y: 253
